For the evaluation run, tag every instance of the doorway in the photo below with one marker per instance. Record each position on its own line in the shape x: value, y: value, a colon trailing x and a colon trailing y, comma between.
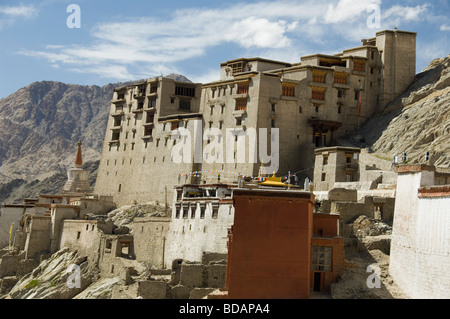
x: 317, y: 280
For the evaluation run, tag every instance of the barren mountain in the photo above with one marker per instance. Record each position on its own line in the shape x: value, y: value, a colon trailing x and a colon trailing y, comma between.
x: 416, y: 122
x: 39, y: 128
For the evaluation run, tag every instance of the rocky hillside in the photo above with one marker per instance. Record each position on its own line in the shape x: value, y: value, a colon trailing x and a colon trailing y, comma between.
x: 416, y: 122
x: 40, y: 126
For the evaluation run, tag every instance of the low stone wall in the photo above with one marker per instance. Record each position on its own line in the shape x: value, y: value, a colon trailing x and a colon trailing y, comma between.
x: 195, y: 280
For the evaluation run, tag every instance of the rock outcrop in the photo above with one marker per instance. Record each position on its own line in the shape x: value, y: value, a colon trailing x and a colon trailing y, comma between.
x: 416, y: 122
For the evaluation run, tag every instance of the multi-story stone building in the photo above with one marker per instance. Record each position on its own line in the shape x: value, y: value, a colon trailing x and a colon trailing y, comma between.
x: 301, y: 106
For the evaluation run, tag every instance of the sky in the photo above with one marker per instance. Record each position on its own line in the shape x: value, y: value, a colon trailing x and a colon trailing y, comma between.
x: 96, y: 42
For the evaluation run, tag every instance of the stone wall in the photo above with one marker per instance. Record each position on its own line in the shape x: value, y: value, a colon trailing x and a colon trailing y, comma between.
x: 195, y: 280
x: 37, y: 237
x: 84, y: 237
x: 10, y: 215
x: 150, y: 239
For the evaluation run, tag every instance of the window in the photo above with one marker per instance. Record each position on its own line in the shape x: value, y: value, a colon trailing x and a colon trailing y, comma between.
x: 152, y: 103
x: 273, y: 107
x: 236, y: 67
x: 241, y: 105
x: 119, y: 108
x: 359, y: 66
x: 300, y: 110
x: 142, y: 88
x: 174, y: 125
x: 117, y: 121
x: 321, y: 258
x: 340, y: 93
x: 349, y: 177
x: 215, y: 212
x: 153, y: 88
x: 288, y: 89
x: 340, y: 77
x: 148, y: 131
x: 185, y: 212
x: 140, y: 105
x: 120, y: 95
x: 220, y: 125
x: 318, y: 76
x: 115, y: 135
x: 184, y: 91
x: 150, y: 118
x: 325, y: 160
x: 78, y: 235
x: 349, y: 159
x: 339, y: 109
x: 192, y: 212
x: 202, y: 211
x: 324, y: 175
x: 272, y: 123
x: 318, y: 93
x: 242, y: 88
x: 184, y: 105
x: 356, y: 94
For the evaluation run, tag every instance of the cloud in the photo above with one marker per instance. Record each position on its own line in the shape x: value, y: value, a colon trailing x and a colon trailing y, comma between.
x: 348, y: 10
x: 137, y: 47
x: 444, y: 27
x: 406, y: 13
x: 18, y: 11
x: 9, y: 14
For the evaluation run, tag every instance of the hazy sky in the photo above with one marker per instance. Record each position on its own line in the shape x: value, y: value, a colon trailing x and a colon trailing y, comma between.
x: 127, y: 40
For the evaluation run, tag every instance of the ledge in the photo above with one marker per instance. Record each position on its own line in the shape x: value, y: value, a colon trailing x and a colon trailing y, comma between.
x: 415, y: 168
x: 341, y: 86
x: 434, y: 191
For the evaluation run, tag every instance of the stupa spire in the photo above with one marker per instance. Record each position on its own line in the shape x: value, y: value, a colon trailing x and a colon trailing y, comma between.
x: 78, y: 157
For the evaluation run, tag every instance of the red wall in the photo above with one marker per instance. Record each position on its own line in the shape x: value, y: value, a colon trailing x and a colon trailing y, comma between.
x: 271, y: 246
x: 327, y: 223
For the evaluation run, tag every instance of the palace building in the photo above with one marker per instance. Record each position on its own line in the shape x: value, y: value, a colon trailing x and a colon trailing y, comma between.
x: 280, y: 113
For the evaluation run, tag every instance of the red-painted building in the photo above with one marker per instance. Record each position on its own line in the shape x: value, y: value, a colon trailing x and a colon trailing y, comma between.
x: 278, y: 248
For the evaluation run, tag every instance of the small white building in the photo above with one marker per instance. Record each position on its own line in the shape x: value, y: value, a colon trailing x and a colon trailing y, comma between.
x: 420, y: 245
x: 201, y: 217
